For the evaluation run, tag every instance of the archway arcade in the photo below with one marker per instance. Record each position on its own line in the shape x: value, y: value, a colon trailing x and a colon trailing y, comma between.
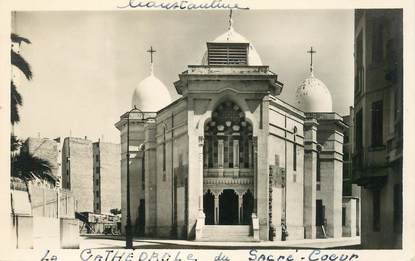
x: 228, y: 207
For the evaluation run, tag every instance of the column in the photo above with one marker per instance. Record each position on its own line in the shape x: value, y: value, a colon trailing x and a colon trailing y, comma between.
x: 236, y: 153
x: 250, y: 153
x: 216, y: 210
x: 220, y: 153
x: 240, y: 208
x: 201, y: 141
x: 255, y: 155
x: 235, y: 148
x: 206, y: 154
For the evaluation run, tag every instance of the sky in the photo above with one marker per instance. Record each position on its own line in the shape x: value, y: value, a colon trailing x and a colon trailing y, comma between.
x: 86, y: 64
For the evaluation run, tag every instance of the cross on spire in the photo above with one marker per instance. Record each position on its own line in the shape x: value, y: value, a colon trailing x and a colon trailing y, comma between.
x: 311, y: 52
x: 151, y: 51
x: 230, y: 19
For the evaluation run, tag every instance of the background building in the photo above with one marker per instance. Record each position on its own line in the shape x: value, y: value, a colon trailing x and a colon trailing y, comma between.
x: 107, y: 177
x: 378, y: 123
x: 77, y: 172
x: 46, y: 149
x: 91, y: 170
x: 351, y: 192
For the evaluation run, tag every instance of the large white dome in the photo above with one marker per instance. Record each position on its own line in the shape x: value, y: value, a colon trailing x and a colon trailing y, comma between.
x: 151, y: 95
x: 231, y: 36
x: 313, y: 96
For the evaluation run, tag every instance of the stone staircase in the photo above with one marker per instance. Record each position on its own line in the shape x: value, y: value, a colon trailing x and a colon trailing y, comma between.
x: 227, y: 233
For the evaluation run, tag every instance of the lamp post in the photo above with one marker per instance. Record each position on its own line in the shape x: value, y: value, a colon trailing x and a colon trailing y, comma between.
x: 128, y: 230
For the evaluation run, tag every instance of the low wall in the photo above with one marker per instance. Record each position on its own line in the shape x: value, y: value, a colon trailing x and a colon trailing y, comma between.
x: 46, y: 232
x: 21, y: 232
x: 69, y: 236
x: 28, y: 232
x: 41, y: 200
x: 350, y: 222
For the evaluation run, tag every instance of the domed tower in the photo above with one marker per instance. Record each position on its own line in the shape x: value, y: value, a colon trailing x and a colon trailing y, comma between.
x: 243, y: 52
x: 312, y: 94
x: 151, y: 95
x: 137, y: 132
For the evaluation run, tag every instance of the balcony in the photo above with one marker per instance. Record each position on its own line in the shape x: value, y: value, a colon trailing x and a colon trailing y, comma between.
x: 228, y: 173
x: 369, y: 173
x: 228, y: 176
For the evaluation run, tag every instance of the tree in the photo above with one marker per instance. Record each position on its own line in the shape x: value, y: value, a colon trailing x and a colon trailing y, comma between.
x: 20, y: 63
x: 27, y: 167
x: 16, y: 99
x: 15, y: 143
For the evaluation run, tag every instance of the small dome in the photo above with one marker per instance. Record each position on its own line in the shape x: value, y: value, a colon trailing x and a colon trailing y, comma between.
x: 313, y: 96
x: 231, y: 36
x: 151, y: 95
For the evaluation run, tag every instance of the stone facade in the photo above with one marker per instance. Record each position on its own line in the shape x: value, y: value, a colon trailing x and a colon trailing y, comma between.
x: 230, y: 154
x: 378, y: 125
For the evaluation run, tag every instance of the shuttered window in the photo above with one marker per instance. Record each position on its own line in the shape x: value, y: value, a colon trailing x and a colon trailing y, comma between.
x: 227, y: 54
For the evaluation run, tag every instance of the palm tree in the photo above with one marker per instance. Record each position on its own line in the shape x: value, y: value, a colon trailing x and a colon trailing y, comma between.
x: 15, y: 144
x: 19, y: 62
x: 16, y: 99
x: 26, y: 167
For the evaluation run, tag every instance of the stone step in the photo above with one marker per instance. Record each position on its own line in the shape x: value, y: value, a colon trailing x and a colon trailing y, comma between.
x: 226, y: 233
x: 227, y: 239
x: 227, y: 227
x: 239, y: 230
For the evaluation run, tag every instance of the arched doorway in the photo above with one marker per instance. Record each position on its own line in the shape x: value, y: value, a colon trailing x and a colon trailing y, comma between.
x: 247, y: 207
x: 208, y: 208
x: 228, y: 207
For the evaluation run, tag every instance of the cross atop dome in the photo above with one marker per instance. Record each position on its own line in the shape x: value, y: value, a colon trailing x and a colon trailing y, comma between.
x: 230, y: 29
x: 151, y: 94
x: 312, y: 94
x: 151, y: 51
x: 311, y: 52
x: 230, y: 19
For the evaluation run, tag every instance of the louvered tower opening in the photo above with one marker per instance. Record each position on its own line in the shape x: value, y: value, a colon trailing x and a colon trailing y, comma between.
x: 227, y: 53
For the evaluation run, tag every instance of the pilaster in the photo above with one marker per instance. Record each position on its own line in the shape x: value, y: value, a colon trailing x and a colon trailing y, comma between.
x: 310, y: 177
x: 150, y: 182
x: 330, y: 136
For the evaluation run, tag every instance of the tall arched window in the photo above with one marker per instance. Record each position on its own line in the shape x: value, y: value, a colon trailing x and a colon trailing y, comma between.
x: 228, y: 138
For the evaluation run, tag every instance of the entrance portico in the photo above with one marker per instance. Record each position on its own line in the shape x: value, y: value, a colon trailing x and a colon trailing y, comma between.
x: 228, y: 175
x: 228, y: 206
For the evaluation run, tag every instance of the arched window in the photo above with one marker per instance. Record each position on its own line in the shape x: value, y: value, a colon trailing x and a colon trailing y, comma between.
x: 228, y: 138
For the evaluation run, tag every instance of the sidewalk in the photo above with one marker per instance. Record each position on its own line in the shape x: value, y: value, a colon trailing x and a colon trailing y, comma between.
x: 144, y: 243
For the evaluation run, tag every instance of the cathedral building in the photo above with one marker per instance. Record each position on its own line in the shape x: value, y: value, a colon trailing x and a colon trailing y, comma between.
x: 229, y: 160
